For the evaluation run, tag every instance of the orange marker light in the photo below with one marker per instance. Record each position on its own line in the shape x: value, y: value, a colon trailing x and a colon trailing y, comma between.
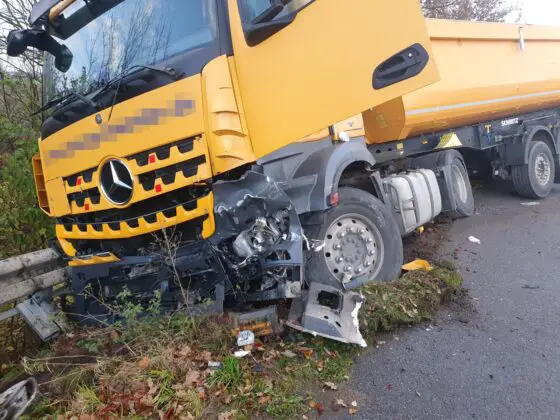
x: 334, y: 199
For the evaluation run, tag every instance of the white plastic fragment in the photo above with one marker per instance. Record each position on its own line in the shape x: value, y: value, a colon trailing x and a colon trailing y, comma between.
x: 356, y: 321
x: 531, y: 204
x: 289, y: 354
x: 214, y: 365
x: 474, y: 240
x: 245, y: 338
x: 318, y: 247
x: 241, y: 353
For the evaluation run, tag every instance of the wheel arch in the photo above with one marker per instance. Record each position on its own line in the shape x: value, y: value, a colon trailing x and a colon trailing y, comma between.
x: 311, y: 172
x: 331, y: 167
x: 544, y: 134
x: 358, y: 174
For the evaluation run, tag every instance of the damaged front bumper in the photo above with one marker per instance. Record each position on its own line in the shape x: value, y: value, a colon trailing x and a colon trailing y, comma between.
x: 256, y: 255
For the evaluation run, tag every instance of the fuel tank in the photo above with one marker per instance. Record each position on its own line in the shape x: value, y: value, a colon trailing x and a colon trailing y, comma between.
x: 488, y: 71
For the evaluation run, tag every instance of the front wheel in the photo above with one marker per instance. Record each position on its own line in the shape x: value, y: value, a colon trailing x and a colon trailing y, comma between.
x: 362, y: 243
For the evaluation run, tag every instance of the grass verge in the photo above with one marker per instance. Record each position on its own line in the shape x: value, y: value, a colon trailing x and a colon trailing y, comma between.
x: 180, y: 367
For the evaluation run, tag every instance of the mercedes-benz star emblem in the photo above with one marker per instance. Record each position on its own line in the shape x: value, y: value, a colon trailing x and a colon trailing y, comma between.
x: 116, y: 182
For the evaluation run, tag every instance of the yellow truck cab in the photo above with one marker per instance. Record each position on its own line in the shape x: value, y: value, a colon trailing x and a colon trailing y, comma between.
x: 242, y: 151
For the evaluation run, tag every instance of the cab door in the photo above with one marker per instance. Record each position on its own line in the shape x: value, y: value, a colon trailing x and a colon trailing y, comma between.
x: 330, y: 60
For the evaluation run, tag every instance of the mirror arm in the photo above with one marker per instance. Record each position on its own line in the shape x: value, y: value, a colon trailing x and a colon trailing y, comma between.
x: 42, y: 41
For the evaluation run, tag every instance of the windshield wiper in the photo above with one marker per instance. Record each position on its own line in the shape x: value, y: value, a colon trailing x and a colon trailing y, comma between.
x: 169, y: 71
x: 64, y: 98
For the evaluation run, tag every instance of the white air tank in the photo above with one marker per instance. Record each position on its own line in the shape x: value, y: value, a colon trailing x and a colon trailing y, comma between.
x: 415, y: 196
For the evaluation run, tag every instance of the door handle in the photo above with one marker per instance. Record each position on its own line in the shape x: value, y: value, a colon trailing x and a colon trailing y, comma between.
x: 402, y: 66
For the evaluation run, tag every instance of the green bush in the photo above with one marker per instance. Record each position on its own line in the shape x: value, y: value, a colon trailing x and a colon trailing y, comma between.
x: 23, y: 226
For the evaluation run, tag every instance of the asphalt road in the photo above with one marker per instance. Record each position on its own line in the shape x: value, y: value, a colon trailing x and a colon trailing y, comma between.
x: 496, y: 353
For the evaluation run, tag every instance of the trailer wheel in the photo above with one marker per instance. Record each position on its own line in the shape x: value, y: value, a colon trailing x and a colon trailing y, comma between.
x: 536, y: 179
x: 462, y: 189
x: 362, y: 243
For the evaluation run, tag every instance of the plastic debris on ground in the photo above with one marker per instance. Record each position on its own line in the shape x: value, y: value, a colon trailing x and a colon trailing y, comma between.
x: 260, y: 323
x: 241, y: 353
x: 245, y: 338
x: 289, y: 354
x: 418, y: 265
x: 531, y: 204
x: 474, y: 240
x: 214, y: 365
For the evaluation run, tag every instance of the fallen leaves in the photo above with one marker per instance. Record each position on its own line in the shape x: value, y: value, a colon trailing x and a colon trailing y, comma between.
x: 170, y: 372
x: 192, y: 378
x: 265, y: 399
x: 144, y: 363
x: 227, y: 415
x: 354, y: 409
x: 204, y: 356
x: 306, y: 351
x: 317, y: 406
x: 185, y: 351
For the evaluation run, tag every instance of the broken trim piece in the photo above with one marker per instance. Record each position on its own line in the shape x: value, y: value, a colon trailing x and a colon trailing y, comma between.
x: 338, y: 321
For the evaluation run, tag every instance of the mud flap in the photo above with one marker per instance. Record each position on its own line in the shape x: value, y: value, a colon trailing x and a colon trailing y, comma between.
x: 328, y: 312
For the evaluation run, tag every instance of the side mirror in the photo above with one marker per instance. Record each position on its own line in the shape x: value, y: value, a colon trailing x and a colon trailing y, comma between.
x: 20, y: 40
x: 17, y: 43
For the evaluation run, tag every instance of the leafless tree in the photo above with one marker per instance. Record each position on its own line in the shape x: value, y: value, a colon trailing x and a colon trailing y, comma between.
x: 25, y: 71
x: 480, y: 10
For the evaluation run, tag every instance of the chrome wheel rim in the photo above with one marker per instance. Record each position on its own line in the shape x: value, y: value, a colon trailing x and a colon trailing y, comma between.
x: 543, y: 169
x: 353, y: 248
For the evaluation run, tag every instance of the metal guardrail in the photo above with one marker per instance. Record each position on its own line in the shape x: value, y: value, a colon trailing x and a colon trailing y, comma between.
x: 27, y: 274
x: 28, y: 281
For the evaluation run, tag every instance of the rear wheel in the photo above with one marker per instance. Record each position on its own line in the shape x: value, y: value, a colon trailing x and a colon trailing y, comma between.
x: 362, y: 243
x: 536, y: 179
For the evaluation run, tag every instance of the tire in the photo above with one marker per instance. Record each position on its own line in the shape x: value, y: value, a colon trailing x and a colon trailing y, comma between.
x: 462, y: 190
x: 536, y: 179
x: 367, y: 217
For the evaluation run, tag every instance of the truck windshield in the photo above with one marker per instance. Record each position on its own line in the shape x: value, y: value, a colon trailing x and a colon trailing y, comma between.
x: 131, y: 32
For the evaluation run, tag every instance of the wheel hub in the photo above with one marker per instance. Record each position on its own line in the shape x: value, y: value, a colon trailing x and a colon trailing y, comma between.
x: 352, y: 248
x: 542, y: 169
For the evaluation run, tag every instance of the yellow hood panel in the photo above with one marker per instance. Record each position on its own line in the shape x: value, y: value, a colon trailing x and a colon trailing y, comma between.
x: 161, y: 116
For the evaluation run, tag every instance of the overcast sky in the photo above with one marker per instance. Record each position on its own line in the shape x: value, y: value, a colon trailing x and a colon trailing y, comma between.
x: 540, y: 12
